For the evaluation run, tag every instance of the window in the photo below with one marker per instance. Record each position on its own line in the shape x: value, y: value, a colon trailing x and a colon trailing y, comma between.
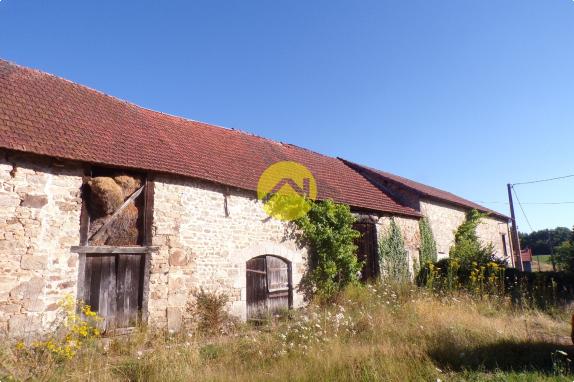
x: 505, y: 249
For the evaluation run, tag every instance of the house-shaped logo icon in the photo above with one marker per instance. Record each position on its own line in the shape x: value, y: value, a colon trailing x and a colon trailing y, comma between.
x: 285, y: 188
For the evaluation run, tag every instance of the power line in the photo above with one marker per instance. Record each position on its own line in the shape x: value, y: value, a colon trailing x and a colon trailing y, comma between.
x: 545, y: 180
x: 522, y: 209
x: 525, y: 203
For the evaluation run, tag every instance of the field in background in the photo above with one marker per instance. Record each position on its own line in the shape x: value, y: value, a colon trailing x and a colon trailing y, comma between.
x: 544, y: 261
x: 368, y: 334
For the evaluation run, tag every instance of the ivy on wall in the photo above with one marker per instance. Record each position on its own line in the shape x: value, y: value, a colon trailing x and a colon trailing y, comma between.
x: 327, y: 229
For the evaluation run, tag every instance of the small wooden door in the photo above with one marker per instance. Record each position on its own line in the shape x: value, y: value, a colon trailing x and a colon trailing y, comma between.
x: 268, y: 286
x: 114, y: 288
x: 367, y: 249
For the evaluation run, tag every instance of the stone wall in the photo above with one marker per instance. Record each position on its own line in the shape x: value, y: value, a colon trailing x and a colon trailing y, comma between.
x: 203, y: 246
x: 39, y: 220
x: 205, y: 234
x: 495, y: 231
x: 445, y: 218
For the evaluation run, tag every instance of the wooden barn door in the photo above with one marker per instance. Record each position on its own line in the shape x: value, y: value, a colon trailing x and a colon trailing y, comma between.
x: 256, y: 288
x: 367, y: 249
x: 268, y: 286
x: 114, y: 288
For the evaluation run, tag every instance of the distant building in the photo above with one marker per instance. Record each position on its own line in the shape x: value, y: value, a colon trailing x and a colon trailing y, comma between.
x: 526, y: 255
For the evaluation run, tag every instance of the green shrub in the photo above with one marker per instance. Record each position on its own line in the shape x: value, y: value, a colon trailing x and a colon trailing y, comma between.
x: 428, y: 244
x: 327, y: 229
x: 393, y: 256
x: 467, y: 248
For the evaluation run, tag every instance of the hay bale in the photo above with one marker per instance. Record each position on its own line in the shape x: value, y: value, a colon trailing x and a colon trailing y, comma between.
x: 106, y: 195
x: 128, y: 184
x: 123, y: 230
x: 95, y: 225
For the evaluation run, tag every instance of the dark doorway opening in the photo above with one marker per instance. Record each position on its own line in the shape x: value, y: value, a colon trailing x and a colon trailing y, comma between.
x: 367, y: 249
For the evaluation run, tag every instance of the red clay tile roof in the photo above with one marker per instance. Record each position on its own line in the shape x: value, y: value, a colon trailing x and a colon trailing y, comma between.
x: 424, y: 190
x: 43, y: 114
x: 526, y: 254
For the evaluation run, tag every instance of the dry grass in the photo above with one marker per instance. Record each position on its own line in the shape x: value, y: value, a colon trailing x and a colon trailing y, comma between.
x: 370, y: 334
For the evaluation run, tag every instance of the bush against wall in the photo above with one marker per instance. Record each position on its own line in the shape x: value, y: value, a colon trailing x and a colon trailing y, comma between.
x: 209, y: 312
x: 428, y: 244
x: 393, y: 256
x: 471, y: 265
x: 327, y: 229
x: 448, y: 275
x: 467, y: 248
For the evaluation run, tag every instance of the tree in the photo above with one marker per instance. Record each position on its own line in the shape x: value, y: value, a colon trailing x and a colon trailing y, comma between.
x: 564, y: 254
x: 541, y: 241
x: 393, y: 256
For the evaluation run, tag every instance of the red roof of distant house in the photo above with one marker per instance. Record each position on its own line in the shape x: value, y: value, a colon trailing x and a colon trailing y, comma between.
x: 44, y: 114
x: 424, y: 190
x: 526, y: 254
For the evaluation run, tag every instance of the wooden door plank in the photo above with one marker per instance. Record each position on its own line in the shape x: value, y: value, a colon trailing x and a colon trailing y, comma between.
x: 277, y: 284
x: 129, y: 299
x: 108, y: 291
x: 121, y: 311
x: 133, y: 291
x: 93, y: 274
x: 277, y: 273
x: 256, y: 288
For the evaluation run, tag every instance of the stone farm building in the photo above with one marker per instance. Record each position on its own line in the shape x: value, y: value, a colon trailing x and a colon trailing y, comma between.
x: 185, y: 212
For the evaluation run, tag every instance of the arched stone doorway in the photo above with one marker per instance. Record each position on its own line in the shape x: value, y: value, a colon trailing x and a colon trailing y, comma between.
x: 269, y: 286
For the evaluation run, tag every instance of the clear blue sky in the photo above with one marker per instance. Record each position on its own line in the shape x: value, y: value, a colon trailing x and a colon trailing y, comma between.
x: 465, y: 95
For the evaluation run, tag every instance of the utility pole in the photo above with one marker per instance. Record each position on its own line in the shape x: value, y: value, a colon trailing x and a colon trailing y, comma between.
x: 515, y: 240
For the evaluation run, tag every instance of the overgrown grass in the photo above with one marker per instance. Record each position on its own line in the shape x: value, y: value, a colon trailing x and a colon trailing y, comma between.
x: 370, y: 333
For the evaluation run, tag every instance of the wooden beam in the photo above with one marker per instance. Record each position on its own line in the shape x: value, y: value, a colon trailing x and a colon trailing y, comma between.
x: 148, y: 210
x: 84, y: 216
x: 110, y: 249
